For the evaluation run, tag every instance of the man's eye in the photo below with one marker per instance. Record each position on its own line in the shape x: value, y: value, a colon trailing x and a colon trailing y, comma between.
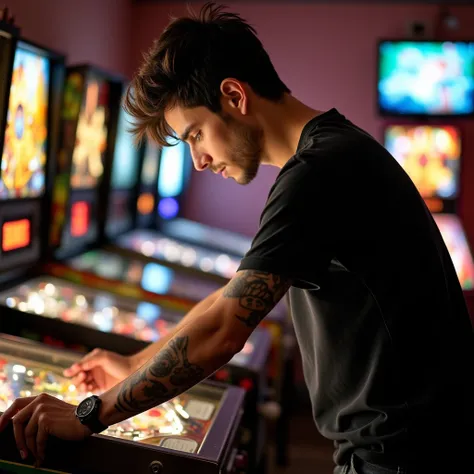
x: 198, y: 136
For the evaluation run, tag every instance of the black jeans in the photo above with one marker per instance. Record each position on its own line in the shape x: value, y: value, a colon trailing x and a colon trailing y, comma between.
x: 455, y: 465
x: 358, y: 466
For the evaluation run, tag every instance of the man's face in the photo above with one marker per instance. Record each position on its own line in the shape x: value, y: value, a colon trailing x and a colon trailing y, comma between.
x: 219, y: 142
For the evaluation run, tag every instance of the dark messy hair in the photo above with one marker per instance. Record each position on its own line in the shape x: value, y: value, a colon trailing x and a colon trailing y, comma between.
x: 187, y: 64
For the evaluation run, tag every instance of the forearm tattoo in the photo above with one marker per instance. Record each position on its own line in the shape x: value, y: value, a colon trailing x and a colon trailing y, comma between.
x: 257, y: 292
x: 165, y: 376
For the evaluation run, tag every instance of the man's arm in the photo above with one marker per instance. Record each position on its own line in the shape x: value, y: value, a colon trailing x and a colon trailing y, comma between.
x: 210, y: 339
x: 138, y: 359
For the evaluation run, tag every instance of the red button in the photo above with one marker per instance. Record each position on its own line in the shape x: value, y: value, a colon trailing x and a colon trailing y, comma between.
x: 222, y: 374
x: 246, y: 384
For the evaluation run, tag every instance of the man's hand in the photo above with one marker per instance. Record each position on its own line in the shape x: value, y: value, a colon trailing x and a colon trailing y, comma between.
x: 99, y: 370
x: 35, y: 418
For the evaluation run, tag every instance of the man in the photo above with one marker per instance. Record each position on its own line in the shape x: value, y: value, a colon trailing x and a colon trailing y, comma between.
x: 378, y: 311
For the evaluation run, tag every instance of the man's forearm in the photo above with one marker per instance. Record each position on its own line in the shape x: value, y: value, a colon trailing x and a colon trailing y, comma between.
x: 193, y: 354
x: 146, y: 354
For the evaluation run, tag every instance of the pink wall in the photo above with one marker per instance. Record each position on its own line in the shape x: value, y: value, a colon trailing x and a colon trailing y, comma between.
x: 326, y: 55
x: 95, y: 31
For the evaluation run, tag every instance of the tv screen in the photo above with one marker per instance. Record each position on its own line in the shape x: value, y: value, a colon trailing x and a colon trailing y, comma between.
x: 91, y: 136
x: 455, y: 239
x: 426, y: 78
x: 430, y: 154
x: 26, y: 132
x: 125, y: 164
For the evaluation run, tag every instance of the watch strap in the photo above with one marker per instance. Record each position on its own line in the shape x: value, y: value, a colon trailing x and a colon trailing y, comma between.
x: 95, y: 425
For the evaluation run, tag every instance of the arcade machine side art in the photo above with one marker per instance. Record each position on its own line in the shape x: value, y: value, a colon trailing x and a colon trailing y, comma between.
x: 197, y: 431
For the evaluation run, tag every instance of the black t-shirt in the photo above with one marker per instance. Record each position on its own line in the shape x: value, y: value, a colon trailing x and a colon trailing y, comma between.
x: 378, y: 311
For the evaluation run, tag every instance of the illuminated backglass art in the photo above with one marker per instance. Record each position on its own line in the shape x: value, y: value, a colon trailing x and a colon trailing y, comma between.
x: 91, y: 137
x: 24, y: 152
x: 455, y: 239
x: 430, y: 155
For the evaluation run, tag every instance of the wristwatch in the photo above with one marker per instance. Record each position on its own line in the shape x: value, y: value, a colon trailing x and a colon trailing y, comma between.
x: 87, y: 413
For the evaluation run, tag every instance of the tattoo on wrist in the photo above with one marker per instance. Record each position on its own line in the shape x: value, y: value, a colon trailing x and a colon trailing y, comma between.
x: 165, y: 376
x: 258, y: 293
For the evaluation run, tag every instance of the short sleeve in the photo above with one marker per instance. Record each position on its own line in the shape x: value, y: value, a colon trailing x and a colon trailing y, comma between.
x: 295, y: 234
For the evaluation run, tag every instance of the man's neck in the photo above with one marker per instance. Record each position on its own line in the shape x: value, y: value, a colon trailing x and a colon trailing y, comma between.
x: 283, y: 123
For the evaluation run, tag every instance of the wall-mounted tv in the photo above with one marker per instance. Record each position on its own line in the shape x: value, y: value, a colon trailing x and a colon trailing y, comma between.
x: 425, y: 78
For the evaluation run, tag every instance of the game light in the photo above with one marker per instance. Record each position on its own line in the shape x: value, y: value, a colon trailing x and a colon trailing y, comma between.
x: 426, y: 78
x: 156, y: 278
x: 16, y: 235
x: 430, y: 155
x: 79, y: 218
x: 168, y: 208
x: 26, y: 132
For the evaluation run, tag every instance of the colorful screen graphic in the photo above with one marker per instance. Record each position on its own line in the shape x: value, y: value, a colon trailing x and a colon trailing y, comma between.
x: 24, y: 153
x: 150, y: 163
x: 426, y: 78
x: 125, y: 165
x: 455, y: 239
x: 430, y: 155
x: 91, y: 137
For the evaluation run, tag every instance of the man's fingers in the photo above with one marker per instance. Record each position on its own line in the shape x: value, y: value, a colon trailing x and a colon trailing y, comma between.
x: 91, y: 363
x: 20, y: 420
x: 14, y: 408
x: 31, y: 430
x: 41, y: 440
x: 79, y: 366
x: 79, y: 378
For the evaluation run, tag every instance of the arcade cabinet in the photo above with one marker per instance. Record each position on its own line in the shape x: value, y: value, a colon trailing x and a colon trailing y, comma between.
x: 59, y: 311
x: 30, y: 114
x: 432, y: 157
x: 197, y: 431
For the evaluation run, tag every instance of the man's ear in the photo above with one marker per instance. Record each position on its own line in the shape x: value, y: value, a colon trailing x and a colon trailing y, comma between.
x: 234, y: 94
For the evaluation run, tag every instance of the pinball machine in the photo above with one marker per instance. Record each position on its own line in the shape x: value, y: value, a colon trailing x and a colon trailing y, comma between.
x: 184, y: 273
x: 432, y: 157
x: 197, y: 431
x: 41, y: 306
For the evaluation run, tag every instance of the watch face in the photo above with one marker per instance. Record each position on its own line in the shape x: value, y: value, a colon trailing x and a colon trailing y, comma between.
x: 85, y: 407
